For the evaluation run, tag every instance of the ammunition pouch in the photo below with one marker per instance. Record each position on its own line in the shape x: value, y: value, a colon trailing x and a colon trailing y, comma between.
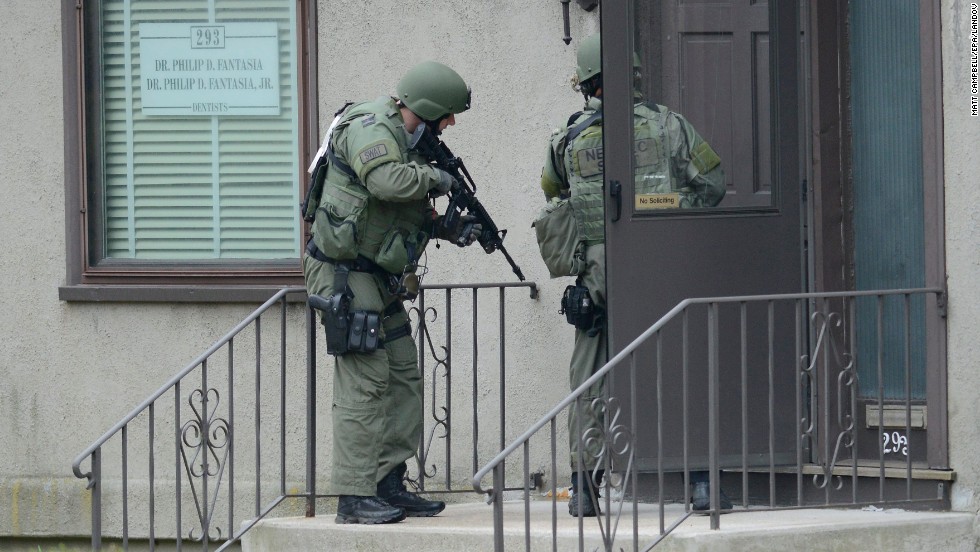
x: 364, y: 335
x: 347, y: 331
x: 578, y: 308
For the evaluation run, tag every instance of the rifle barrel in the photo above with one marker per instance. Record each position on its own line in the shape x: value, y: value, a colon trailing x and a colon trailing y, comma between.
x: 513, y: 265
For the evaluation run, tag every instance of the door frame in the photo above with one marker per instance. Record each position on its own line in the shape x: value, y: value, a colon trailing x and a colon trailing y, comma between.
x: 824, y: 153
x: 830, y: 234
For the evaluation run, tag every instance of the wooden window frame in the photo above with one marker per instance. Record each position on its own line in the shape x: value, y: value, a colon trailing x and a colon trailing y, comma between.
x: 217, y: 281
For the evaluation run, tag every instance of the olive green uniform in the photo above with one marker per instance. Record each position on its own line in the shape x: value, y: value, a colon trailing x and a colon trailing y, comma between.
x: 374, y: 207
x: 672, y: 160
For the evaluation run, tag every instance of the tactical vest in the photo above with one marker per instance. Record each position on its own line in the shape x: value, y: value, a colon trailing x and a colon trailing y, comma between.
x: 583, y: 160
x: 351, y: 222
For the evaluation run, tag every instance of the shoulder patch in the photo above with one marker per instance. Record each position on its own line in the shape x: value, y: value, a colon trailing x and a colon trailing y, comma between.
x: 368, y: 120
x: 704, y: 158
x: 372, y: 153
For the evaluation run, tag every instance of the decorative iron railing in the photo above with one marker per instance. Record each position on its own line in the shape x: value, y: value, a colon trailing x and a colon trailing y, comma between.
x: 203, y: 466
x: 781, y: 377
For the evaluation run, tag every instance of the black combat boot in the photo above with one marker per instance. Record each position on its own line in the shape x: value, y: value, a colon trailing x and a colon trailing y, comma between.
x: 392, y: 490
x: 367, y: 509
x: 589, y: 495
x: 701, y: 497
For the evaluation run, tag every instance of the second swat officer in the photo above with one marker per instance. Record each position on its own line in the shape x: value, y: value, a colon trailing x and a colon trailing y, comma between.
x: 673, y: 164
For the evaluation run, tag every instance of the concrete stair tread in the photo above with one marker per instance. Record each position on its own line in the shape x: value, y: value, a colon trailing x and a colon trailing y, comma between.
x: 469, y: 526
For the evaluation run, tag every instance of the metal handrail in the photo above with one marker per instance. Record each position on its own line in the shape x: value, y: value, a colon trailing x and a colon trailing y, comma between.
x: 76, y: 464
x: 225, y: 428
x: 635, y: 344
x: 819, y: 346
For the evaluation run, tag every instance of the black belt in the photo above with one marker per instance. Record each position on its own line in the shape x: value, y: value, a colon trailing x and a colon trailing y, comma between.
x: 359, y: 264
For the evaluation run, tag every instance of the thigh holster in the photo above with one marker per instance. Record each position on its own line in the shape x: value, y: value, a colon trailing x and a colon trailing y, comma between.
x: 578, y: 308
x: 347, y: 330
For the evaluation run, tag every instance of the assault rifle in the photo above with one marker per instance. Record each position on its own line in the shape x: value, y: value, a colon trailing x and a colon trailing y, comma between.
x: 462, y: 196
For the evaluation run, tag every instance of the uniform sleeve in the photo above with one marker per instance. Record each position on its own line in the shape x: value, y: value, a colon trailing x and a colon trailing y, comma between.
x: 695, y: 164
x: 399, y: 181
x: 381, y: 165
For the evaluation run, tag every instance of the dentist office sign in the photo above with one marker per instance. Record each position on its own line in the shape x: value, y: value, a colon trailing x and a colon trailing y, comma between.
x: 209, y: 69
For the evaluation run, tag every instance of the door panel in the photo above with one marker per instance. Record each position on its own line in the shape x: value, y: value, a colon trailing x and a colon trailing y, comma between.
x: 713, y: 62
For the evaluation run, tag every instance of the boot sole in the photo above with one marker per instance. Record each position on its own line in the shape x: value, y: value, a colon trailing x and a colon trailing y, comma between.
x: 424, y: 513
x: 708, y: 512
x: 342, y: 519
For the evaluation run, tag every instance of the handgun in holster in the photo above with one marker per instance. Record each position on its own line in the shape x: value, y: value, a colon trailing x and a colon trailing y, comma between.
x: 347, y: 330
x: 578, y: 308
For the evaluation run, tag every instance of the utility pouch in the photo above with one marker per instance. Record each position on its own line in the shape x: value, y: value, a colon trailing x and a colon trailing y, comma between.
x: 578, y: 308
x: 400, y: 250
x: 558, y: 239
x: 343, y: 208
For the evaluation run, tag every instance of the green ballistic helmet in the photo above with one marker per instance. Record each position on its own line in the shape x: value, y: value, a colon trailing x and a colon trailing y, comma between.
x: 432, y: 91
x: 590, y: 58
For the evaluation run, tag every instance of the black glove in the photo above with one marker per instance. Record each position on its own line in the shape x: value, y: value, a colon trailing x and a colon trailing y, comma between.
x: 465, y: 233
x: 446, y: 182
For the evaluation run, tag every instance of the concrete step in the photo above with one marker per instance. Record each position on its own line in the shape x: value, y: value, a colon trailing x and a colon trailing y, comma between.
x: 469, y: 527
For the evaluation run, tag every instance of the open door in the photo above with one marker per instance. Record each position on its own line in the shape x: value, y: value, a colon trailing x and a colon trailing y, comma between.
x: 731, y: 70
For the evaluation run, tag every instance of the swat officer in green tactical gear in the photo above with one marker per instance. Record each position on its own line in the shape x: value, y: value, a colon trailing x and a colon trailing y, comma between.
x: 673, y: 164
x: 372, y: 217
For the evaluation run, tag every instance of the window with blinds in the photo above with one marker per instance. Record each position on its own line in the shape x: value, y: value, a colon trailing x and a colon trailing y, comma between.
x: 198, y: 132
